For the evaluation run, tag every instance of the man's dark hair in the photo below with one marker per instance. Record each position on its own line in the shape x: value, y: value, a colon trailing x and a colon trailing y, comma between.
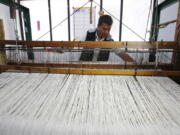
x: 105, y: 19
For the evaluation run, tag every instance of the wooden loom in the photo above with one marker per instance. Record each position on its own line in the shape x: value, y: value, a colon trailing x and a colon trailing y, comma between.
x: 58, y: 104
x: 128, y: 68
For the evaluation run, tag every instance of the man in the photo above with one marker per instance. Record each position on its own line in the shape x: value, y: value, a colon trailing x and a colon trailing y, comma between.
x: 101, y: 33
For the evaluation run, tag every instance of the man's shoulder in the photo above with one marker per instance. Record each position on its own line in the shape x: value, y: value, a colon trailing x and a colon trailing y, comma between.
x: 109, y: 38
x: 91, y: 30
x: 90, y: 33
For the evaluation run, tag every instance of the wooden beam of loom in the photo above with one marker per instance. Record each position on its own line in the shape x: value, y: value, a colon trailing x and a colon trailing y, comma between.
x: 165, y: 23
x: 2, y: 37
x: 95, y: 66
x: 91, y: 71
x: 94, y: 44
x: 176, y: 56
x: 126, y: 57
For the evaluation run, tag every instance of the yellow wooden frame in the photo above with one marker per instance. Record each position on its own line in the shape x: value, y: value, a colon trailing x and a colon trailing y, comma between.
x: 95, y: 44
x: 91, y: 71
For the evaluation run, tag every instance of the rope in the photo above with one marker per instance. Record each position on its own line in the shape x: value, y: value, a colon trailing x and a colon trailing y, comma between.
x: 62, y: 21
x: 17, y: 52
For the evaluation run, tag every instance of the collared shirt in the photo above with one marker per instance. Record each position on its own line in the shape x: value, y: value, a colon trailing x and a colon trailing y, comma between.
x: 97, y: 50
x: 99, y: 39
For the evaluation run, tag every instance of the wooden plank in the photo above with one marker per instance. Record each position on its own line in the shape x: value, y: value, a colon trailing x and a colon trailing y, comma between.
x: 2, y: 51
x: 96, y: 66
x: 158, y: 73
x: 2, y: 36
x: 126, y: 57
x: 91, y: 71
x: 95, y: 44
x: 177, y: 32
x: 165, y: 23
x: 176, y: 56
x: 12, y: 12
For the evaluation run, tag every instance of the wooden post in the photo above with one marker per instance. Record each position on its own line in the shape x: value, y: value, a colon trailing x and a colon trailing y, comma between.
x: 177, y: 39
x: 176, y: 56
x: 2, y: 51
x: 12, y: 11
x: 177, y: 34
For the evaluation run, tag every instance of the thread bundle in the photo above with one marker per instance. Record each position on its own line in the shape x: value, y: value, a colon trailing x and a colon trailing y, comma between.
x: 55, y: 104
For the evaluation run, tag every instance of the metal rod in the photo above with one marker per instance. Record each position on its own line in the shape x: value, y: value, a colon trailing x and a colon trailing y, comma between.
x: 152, y: 56
x: 80, y: 50
x: 50, y: 20
x: 154, y: 18
x: 76, y: 64
x: 69, y: 28
x: 21, y: 23
x: 120, y: 24
x: 101, y: 5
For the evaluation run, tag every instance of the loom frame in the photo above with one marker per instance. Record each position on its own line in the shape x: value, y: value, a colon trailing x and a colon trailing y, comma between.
x: 112, y: 69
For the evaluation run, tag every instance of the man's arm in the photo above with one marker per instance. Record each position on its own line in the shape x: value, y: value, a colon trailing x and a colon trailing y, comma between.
x: 123, y: 55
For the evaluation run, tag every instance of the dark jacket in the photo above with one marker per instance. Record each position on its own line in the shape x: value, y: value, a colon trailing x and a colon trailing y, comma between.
x: 87, y: 55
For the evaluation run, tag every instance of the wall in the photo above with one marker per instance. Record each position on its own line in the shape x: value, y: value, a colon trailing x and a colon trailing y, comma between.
x: 7, y: 22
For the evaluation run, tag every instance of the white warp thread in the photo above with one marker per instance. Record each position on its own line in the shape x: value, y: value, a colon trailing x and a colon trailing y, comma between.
x: 58, y: 104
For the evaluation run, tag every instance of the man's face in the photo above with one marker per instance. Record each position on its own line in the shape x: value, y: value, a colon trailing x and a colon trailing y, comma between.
x: 103, y: 30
